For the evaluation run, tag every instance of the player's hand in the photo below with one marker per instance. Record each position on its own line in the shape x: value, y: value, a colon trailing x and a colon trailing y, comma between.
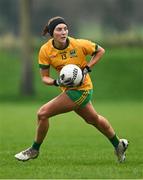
x: 58, y: 82
x: 67, y: 83
x: 85, y: 71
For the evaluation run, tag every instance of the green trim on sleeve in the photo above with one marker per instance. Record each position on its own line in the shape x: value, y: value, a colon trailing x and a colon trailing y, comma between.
x: 43, y: 66
x: 96, y: 49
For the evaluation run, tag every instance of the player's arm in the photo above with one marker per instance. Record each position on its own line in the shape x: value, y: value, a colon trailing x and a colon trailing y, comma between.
x: 90, y: 48
x: 44, y: 65
x: 96, y: 57
x: 45, y: 76
x: 46, y: 79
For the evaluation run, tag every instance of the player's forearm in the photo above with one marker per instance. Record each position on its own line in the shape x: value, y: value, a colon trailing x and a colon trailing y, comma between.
x: 48, y: 80
x: 96, y: 57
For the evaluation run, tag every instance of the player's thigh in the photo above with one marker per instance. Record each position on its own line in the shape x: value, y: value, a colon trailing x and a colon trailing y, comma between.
x: 88, y: 112
x: 58, y: 105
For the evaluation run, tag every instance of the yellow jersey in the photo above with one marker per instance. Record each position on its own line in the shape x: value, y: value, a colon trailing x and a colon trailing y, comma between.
x: 75, y: 53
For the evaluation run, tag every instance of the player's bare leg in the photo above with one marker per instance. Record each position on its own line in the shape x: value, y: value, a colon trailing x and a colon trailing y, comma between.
x: 89, y: 114
x: 58, y: 105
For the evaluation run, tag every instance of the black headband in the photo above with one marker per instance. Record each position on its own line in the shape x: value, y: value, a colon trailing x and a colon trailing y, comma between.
x: 53, y: 24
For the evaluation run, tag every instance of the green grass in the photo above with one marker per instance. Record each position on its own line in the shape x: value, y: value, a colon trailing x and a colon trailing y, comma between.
x: 72, y: 148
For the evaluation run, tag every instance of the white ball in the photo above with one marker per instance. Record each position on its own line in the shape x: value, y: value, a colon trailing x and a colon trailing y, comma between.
x: 71, y: 72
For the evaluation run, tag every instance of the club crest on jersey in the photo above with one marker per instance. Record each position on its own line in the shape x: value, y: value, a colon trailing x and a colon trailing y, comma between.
x: 73, y: 53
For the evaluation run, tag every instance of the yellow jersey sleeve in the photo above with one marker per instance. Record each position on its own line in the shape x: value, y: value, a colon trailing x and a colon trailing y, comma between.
x: 88, y: 47
x: 43, y: 59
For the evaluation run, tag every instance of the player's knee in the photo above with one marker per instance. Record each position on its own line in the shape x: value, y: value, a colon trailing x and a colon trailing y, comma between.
x: 42, y: 114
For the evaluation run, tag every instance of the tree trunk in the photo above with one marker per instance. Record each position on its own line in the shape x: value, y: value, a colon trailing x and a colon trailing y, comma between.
x: 27, y: 83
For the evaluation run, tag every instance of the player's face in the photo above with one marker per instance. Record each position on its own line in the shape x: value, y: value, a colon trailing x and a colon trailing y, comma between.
x: 60, y: 33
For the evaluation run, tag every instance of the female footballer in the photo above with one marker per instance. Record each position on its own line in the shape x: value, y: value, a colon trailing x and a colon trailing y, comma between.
x: 57, y: 52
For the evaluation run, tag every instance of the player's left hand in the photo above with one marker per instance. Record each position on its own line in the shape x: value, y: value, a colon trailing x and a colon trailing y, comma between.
x: 67, y: 83
x: 85, y: 70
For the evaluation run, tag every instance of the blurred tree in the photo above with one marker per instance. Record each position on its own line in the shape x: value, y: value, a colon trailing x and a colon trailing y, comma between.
x: 8, y: 16
x: 114, y: 15
x: 43, y: 10
x: 137, y: 18
x: 27, y: 84
x: 117, y: 15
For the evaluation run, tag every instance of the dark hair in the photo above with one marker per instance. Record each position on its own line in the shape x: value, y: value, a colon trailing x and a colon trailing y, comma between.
x: 52, y: 23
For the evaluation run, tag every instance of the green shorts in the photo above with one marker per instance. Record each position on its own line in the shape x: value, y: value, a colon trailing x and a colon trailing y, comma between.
x: 80, y: 97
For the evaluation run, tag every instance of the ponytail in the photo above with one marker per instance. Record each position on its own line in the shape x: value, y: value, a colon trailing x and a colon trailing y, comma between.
x: 45, y: 30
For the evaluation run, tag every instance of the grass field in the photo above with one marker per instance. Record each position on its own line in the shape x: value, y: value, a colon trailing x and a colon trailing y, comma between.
x: 72, y: 149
